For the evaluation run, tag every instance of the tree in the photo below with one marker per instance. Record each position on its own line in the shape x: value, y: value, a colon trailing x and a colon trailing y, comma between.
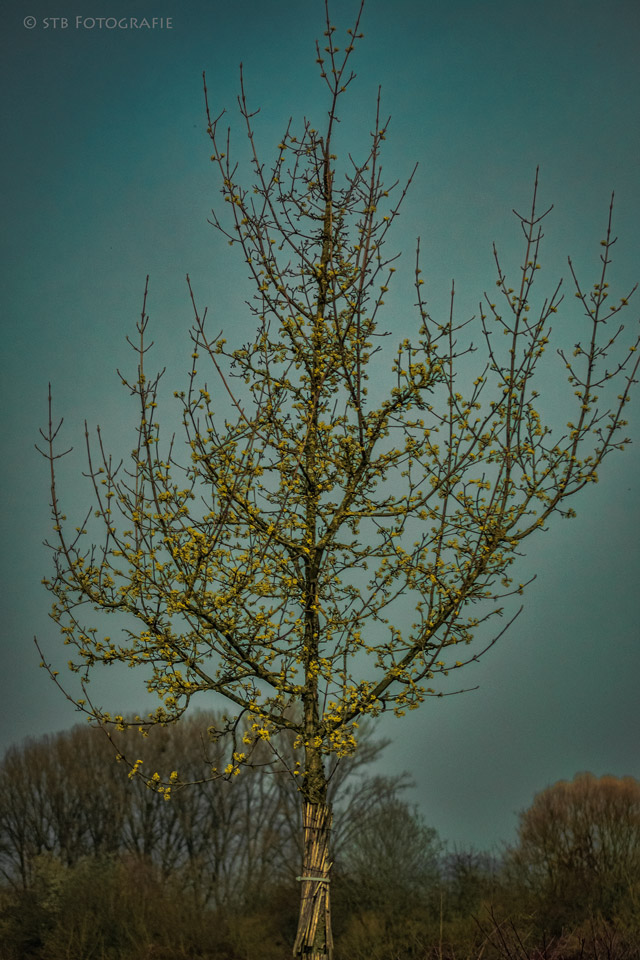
x: 44, y: 787
x: 387, y: 875
x: 62, y: 796
x: 578, y: 847
x: 469, y: 877
x: 395, y: 846
x: 323, y: 555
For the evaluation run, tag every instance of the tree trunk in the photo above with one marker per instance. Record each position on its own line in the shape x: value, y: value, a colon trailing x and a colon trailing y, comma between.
x: 314, y: 940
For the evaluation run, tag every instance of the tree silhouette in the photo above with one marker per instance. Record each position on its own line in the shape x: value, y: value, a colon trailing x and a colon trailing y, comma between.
x: 324, y: 555
x: 578, y: 849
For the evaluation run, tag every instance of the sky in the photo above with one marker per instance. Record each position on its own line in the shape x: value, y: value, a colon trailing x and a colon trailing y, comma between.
x: 107, y: 178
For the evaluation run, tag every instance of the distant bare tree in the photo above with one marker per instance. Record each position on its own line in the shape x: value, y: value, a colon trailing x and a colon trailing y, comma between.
x: 578, y: 847
x: 62, y: 795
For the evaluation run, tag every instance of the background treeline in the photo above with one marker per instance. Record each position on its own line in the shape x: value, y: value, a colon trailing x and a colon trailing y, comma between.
x: 97, y: 866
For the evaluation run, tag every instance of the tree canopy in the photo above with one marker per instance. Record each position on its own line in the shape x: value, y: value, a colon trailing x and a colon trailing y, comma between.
x: 322, y: 548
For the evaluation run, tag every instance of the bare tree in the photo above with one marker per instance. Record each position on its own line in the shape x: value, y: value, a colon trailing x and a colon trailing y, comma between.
x: 325, y: 555
x: 59, y: 795
x: 578, y: 850
x: 62, y: 796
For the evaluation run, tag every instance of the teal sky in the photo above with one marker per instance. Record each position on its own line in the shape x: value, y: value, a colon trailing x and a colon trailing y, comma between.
x: 107, y: 178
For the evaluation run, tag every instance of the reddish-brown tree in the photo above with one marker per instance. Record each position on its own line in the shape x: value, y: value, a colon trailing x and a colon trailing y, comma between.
x: 578, y: 847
